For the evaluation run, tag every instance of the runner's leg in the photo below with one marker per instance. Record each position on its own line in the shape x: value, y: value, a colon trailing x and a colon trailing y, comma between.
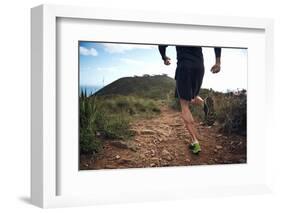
x: 188, y: 120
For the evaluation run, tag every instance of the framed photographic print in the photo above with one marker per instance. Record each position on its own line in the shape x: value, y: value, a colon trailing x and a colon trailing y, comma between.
x: 130, y: 106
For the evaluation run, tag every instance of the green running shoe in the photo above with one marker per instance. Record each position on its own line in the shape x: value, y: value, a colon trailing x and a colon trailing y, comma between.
x: 196, y: 148
x: 191, y: 146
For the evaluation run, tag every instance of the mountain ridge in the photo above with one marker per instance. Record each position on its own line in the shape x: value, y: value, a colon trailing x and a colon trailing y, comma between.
x: 147, y: 86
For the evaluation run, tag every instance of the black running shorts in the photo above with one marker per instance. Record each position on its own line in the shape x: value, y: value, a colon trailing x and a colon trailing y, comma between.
x: 189, y: 78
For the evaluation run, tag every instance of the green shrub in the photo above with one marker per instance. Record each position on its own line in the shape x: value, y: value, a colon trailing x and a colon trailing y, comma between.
x: 122, y: 103
x: 89, y: 143
x: 174, y: 103
x: 130, y: 105
x: 232, y: 114
x: 116, y: 127
x: 231, y: 110
x: 155, y: 109
x: 140, y: 107
x: 108, y: 117
x: 102, y: 119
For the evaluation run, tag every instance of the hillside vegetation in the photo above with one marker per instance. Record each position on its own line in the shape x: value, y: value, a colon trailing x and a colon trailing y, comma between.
x: 154, y: 87
x: 108, y: 114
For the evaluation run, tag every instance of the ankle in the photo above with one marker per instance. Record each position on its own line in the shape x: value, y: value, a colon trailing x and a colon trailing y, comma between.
x: 195, y: 141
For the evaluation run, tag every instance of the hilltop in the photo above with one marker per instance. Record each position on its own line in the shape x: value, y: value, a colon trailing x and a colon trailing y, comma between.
x: 156, y: 87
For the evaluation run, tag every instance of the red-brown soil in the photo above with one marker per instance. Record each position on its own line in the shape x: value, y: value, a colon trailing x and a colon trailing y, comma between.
x: 163, y: 141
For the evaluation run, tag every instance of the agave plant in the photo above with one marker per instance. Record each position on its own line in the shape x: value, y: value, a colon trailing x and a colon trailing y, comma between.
x: 89, y: 143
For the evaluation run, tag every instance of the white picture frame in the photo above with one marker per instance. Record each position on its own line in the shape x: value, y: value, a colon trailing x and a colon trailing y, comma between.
x: 44, y: 148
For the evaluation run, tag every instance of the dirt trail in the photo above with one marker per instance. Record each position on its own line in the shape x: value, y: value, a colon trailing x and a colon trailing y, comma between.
x: 163, y: 141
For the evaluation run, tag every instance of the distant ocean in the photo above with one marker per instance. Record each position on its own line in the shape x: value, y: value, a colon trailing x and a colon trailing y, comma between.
x: 90, y: 89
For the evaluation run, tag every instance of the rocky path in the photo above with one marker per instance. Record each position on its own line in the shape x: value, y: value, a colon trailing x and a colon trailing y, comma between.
x: 163, y: 141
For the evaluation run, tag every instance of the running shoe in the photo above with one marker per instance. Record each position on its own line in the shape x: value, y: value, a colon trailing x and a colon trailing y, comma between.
x: 191, y: 145
x: 196, y: 148
x: 210, y: 114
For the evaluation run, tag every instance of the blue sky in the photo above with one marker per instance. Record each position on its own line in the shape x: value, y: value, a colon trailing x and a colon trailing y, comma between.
x: 103, y: 63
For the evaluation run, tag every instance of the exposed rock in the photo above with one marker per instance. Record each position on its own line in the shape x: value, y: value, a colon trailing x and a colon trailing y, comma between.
x: 142, y: 156
x: 186, y: 140
x: 134, y: 131
x: 124, y: 145
x: 165, y: 152
x: 165, y: 163
x: 147, y: 132
x: 125, y: 160
x: 154, y: 160
x: 211, y: 161
x: 160, y: 133
x: 176, y: 125
x: 166, y: 155
x: 218, y: 147
x: 163, y: 141
x: 155, y: 141
x: 133, y: 147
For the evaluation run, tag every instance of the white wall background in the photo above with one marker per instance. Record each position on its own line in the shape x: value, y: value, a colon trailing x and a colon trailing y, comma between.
x: 15, y: 105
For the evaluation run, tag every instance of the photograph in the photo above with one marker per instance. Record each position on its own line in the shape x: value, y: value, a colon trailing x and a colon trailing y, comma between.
x: 161, y: 105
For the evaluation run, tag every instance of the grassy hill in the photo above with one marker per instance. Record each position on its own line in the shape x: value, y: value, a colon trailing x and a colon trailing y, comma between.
x: 108, y: 114
x: 155, y: 87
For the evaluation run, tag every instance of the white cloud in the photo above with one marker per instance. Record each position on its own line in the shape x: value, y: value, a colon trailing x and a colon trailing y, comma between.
x: 131, y: 61
x: 88, y: 52
x: 121, y: 48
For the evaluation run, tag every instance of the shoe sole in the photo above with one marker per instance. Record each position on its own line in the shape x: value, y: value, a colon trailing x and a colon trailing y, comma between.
x: 191, y: 147
x: 196, y: 153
